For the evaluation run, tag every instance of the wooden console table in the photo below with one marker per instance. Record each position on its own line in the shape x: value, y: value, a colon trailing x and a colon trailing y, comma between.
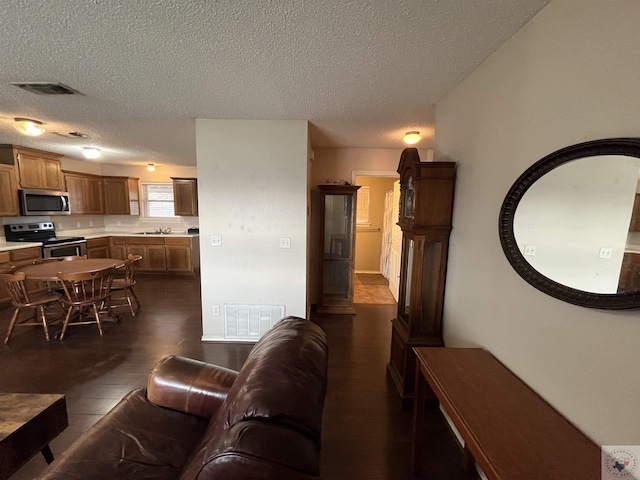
x: 28, y: 422
x: 510, y: 431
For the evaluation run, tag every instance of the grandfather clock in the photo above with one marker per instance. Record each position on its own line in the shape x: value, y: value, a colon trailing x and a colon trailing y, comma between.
x: 426, y: 208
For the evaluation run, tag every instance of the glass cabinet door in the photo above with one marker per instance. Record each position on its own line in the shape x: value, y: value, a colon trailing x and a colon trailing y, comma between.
x: 337, y: 246
x: 336, y: 283
x: 406, y: 272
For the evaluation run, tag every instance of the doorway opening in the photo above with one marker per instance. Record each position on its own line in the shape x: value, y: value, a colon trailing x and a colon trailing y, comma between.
x: 378, y: 238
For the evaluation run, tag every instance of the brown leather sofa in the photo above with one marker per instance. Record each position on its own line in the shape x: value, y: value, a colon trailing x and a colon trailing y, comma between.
x: 200, y: 421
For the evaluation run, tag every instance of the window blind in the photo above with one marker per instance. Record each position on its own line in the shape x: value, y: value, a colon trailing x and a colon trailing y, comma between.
x: 158, y: 200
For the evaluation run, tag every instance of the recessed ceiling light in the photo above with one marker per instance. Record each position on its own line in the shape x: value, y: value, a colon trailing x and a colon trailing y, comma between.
x: 26, y: 126
x: 78, y: 135
x: 412, y: 137
x: 90, y: 152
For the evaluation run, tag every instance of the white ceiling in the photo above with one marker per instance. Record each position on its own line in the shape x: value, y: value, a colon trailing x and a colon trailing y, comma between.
x: 362, y: 72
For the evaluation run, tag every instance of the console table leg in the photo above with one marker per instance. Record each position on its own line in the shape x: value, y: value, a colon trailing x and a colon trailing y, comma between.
x: 419, y: 400
x: 47, y: 454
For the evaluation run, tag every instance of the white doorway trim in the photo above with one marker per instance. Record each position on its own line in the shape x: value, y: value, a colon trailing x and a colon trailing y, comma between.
x: 376, y: 173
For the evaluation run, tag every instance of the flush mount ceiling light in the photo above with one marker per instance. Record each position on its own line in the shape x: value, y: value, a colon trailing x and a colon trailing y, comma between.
x: 26, y: 126
x: 90, y: 152
x: 411, y: 137
x: 151, y: 167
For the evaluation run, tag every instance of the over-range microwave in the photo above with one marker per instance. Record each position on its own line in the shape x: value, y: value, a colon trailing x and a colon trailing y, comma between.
x: 44, y: 202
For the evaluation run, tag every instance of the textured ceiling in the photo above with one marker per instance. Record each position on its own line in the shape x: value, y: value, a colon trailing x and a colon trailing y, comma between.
x: 361, y: 72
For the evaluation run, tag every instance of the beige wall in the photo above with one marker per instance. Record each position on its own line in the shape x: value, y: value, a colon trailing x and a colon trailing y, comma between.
x: 369, y: 239
x: 570, y: 75
x: 251, y: 193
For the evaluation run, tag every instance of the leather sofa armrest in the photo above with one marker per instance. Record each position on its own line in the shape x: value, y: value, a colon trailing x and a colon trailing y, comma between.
x: 189, y: 386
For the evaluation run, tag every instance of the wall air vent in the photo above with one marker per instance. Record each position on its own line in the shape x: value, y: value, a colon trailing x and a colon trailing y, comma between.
x: 46, y: 88
x: 250, y: 322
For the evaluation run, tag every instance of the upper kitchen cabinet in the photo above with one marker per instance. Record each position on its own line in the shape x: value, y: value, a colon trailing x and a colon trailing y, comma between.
x: 185, y: 196
x: 121, y: 196
x: 85, y: 193
x: 8, y: 191
x: 36, y: 169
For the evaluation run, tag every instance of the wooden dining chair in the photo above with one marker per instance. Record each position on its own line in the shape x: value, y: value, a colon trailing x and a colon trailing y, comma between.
x: 86, y: 291
x: 125, y: 285
x: 22, y: 298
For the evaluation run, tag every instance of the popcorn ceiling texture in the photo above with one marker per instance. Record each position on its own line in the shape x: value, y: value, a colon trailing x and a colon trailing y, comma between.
x: 361, y: 72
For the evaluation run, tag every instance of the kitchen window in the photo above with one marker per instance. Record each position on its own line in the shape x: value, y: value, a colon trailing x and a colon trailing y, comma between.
x: 157, y: 200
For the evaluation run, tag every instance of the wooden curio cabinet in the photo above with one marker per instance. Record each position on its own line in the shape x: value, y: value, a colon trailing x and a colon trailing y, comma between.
x: 426, y: 208
x: 337, y: 246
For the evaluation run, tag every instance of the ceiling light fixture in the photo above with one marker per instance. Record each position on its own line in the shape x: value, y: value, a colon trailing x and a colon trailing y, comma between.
x: 151, y: 167
x: 26, y: 126
x: 411, y: 137
x: 90, y: 152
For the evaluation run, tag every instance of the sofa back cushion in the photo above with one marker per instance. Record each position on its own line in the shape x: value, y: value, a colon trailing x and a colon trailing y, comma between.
x: 272, y: 416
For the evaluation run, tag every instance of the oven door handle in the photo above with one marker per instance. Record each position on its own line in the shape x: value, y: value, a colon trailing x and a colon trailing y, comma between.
x: 65, y: 244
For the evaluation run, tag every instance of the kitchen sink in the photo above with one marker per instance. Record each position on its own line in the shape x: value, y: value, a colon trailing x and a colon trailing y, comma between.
x: 152, y: 233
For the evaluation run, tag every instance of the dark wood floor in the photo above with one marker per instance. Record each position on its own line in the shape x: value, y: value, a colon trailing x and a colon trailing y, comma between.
x: 366, y: 435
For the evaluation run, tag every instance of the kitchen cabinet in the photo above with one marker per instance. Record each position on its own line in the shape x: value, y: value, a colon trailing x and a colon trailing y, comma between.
x: 19, y: 257
x: 179, y: 254
x: 185, y: 196
x: 152, y: 251
x: 8, y: 191
x: 118, y: 247
x: 121, y: 196
x: 337, y: 248
x: 159, y: 254
x: 425, y: 214
x: 85, y: 193
x: 98, y: 247
x: 36, y: 168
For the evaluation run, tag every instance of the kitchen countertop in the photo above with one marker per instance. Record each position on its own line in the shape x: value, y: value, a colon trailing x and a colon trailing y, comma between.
x: 6, y: 246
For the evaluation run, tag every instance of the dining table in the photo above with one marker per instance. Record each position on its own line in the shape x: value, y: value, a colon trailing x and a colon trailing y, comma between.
x: 48, y: 271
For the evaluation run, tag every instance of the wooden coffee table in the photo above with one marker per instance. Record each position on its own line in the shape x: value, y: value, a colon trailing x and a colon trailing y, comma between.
x: 28, y: 422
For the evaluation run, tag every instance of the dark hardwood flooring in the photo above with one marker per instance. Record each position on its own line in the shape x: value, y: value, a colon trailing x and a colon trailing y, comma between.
x: 366, y: 435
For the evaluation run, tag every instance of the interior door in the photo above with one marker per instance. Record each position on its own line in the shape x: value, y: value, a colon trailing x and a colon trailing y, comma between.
x: 387, y: 222
x: 396, y: 243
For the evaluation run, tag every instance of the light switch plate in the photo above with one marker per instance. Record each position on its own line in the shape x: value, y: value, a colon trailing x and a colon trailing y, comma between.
x: 285, y: 242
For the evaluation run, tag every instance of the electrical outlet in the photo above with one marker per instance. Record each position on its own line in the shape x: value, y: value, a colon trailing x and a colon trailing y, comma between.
x: 216, y: 240
x: 605, y: 252
x: 530, y: 250
x: 216, y: 309
x: 91, y: 223
x: 285, y: 242
x: 78, y: 224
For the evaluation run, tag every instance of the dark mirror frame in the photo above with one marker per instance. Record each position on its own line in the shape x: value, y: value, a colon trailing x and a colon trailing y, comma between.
x: 614, y: 146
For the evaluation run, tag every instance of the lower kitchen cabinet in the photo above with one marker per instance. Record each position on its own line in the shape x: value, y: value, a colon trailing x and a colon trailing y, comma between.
x: 159, y: 254
x: 98, y: 247
x: 179, y: 258
x: 19, y: 257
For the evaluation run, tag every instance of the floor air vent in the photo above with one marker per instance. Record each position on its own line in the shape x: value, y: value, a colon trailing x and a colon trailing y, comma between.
x: 250, y: 322
x: 46, y: 88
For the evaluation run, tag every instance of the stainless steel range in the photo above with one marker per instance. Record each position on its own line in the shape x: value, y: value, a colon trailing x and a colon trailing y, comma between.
x: 45, y: 233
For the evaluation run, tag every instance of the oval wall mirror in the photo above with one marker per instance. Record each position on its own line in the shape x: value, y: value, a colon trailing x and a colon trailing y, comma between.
x: 570, y: 224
